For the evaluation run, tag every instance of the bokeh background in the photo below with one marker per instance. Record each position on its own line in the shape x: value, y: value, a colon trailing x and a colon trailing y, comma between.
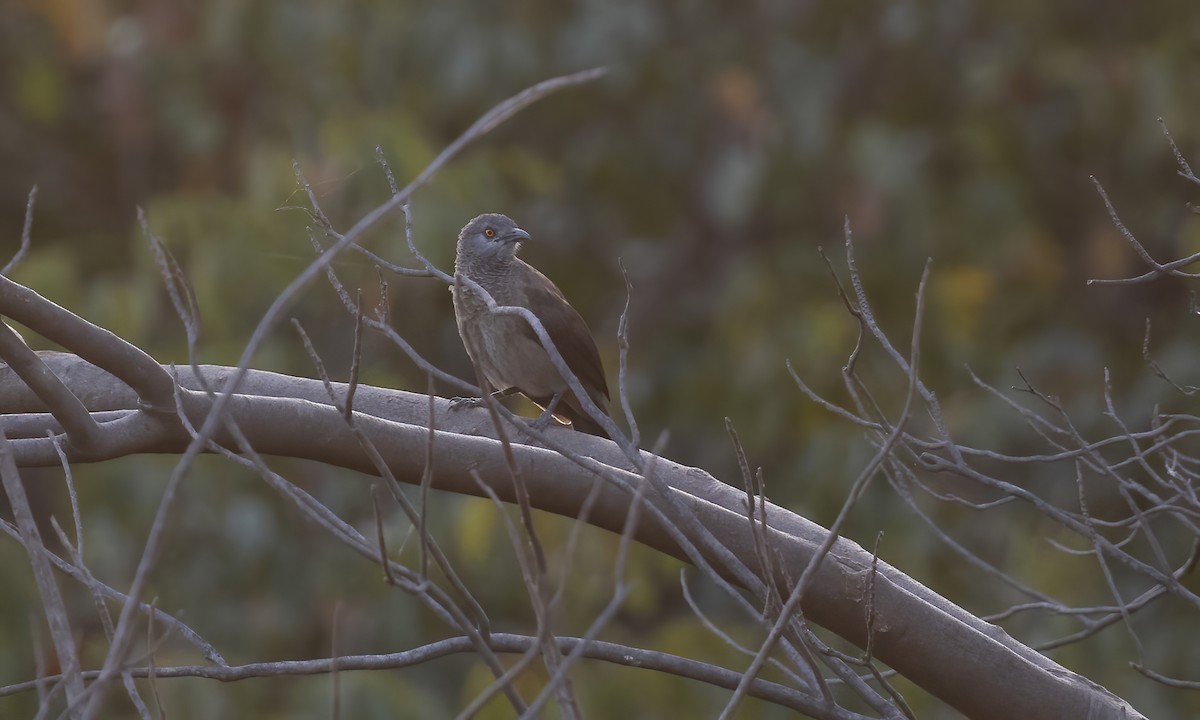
x: 728, y: 142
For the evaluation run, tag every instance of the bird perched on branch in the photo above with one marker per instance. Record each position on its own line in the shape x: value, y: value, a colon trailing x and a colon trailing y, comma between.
x: 505, y: 347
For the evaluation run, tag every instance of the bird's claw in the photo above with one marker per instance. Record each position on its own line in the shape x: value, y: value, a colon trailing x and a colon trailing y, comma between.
x: 458, y: 403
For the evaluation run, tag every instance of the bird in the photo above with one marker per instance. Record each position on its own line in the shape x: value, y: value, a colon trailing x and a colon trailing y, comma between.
x: 505, y: 347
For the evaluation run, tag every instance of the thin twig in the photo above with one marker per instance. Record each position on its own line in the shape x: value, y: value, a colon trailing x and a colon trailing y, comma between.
x: 52, y: 601
x: 1156, y: 268
x: 614, y: 653
x: 635, y: 437
x: 26, y: 234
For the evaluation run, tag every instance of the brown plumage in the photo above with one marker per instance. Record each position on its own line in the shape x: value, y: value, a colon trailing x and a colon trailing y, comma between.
x: 505, y: 347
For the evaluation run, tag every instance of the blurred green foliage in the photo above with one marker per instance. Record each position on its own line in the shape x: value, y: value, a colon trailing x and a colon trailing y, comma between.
x: 728, y: 142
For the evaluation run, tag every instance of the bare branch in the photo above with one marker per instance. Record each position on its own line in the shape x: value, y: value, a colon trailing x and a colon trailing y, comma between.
x: 56, y: 612
x: 1156, y: 268
x: 635, y: 436
x: 82, y: 431
x: 26, y: 234
x: 1185, y: 170
x: 500, y: 642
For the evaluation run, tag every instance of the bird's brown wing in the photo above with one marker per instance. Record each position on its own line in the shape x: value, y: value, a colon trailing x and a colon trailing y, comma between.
x: 569, y: 332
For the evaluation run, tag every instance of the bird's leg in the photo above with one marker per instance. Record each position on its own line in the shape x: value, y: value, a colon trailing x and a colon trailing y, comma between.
x: 457, y: 403
x: 543, y: 421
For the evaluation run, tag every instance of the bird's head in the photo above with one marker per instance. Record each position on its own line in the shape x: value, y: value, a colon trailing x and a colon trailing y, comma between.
x: 490, y: 237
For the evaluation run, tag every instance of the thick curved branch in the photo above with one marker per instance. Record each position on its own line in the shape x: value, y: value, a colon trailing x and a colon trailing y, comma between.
x: 968, y: 663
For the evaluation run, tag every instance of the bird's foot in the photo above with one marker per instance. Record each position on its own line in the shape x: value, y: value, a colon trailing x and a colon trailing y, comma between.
x: 458, y: 403
x: 465, y: 402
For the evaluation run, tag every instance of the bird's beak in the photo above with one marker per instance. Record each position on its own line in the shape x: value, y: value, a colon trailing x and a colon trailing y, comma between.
x: 517, y: 235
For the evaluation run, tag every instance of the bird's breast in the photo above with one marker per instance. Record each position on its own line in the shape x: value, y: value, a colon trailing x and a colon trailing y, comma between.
x: 501, y: 345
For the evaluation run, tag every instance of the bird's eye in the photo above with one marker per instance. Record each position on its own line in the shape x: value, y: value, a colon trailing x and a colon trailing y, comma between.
x: 489, y: 233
